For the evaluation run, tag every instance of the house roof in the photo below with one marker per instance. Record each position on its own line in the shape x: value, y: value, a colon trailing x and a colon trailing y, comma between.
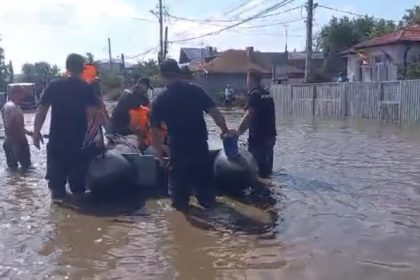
x: 302, y: 55
x: 238, y: 61
x: 196, y: 54
x: 404, y: 35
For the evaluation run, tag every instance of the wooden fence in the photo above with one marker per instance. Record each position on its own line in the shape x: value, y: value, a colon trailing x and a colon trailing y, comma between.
x: 396, y: 101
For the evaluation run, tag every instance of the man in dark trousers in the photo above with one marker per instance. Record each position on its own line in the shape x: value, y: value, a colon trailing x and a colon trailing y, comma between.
x: 73, y: 104
x: 261, y: 120
x: 130, y: 99
x: 180, y: 106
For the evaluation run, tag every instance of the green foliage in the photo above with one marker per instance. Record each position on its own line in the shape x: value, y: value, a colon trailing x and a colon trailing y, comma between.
x: 4, y: 71
x: 11, y: 72
x: 382, y: 27
x: 412, y: 16
x: 38, y: 71
x: 149, y: 69
x: 112, y: 81
x: 413, y: 71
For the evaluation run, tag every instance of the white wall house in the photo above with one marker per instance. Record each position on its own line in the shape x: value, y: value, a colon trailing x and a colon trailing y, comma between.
x: 381, y: 58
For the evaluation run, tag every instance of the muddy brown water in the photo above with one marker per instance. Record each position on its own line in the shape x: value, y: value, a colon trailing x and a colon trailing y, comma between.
x: 348, y: 207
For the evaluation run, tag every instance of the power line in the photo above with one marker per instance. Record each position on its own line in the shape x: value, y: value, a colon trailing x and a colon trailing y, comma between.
x: 274, y: 24
x: 238, y: 6
x: 257, y: 15
x: 209, y: 20
x: 143, y: 53
x: 351, y: 13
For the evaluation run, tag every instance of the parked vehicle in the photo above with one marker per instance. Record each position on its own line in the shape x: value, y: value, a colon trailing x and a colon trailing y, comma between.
x: 31, y: 99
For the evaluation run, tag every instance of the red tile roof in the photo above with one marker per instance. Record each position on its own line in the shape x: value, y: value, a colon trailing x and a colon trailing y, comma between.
x: 237, y: 61
x: 407, y: 34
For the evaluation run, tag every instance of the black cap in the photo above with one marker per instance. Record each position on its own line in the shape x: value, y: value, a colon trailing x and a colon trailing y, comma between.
x: 169, y: 67
x: 144, y: 81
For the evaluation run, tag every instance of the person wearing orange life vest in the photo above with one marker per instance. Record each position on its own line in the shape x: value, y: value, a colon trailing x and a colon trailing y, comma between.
x: 130, y: 99
x: 140, y: 125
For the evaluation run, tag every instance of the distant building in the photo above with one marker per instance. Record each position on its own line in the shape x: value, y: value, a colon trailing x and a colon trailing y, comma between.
x: 116, y: 66
x: 296, y: 65
x: 232, y: 66
x: 196, y: 55
x: 379, y: 59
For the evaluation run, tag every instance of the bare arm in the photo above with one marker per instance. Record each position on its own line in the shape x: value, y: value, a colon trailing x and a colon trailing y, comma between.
x: 41, y: 115
x: 157, y: 143
x: 219, y: 119
x: 245, y: 122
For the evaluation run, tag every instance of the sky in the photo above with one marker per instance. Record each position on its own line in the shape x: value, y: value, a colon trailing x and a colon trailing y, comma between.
x: 48, y: 30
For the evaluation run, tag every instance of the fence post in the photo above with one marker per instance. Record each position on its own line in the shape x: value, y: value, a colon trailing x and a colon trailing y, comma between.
x: 314, y: 97
x: 291, y: 99
x: 381, y: 100
x: 399, y: 103
x: 346, y: 100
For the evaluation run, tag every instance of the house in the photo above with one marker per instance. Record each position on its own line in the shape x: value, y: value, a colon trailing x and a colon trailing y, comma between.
x: 116, y: 66
x: 196, y: 55
x: 232, y: 66
x: 382, y: 58
x: 296, y: 65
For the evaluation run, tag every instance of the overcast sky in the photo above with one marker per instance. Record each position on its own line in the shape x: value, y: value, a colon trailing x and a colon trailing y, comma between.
x: 47, y: 30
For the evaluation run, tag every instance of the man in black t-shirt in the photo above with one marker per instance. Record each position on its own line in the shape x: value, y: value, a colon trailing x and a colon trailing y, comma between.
x: 73, y: 102
x: 130, y: 99
x: 180, y: 106
x: 261, y: 120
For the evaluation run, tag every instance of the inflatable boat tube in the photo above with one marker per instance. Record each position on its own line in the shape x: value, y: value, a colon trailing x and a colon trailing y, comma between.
x: 234, y: 175
x: 111, y: 175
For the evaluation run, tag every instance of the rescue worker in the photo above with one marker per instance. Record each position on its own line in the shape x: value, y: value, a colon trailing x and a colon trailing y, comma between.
x: 15, y: 144
x: 130, y: 99
x: 73, y: 105
x: 261, y: 121
x: 180, y: 106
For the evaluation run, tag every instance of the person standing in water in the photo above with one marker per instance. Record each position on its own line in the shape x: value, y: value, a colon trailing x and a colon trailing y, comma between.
x: 260, y: 119
x: 73, y: 105
x: 180, y: 105
x: 15, y: 144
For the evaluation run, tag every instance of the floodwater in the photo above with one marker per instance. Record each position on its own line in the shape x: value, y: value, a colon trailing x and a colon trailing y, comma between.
x: 348, y: 207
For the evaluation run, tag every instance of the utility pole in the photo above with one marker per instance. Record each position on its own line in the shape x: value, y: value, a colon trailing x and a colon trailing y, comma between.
x: 161, y: 55
x: 309, y: 21
x: 286, y: 38
x: 165, y: 49
x: 109, y: 52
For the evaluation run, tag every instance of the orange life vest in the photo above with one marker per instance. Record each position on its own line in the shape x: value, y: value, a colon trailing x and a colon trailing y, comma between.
x: 139, y: 119
x: 89, y: 73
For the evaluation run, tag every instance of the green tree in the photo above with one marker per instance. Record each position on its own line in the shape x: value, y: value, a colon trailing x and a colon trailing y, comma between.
x: 11, y: 72
x: 38, y: 71
x: 149, y: 69
x: 4, y: 71
x: 382, y: 27
x: 412, y: 16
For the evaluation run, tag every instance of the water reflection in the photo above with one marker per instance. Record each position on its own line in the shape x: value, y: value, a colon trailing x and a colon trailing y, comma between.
x: 346, y: 206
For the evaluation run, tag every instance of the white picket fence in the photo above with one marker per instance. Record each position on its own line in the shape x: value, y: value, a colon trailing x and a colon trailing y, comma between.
x: 396, y: 101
